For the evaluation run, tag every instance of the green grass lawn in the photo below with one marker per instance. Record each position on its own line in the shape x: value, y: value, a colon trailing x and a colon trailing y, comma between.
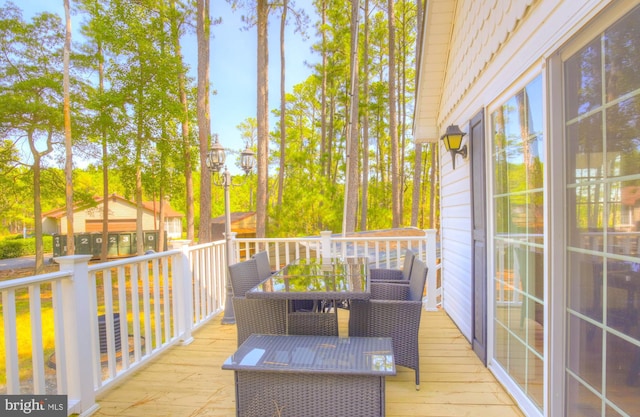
x: 23, y: 320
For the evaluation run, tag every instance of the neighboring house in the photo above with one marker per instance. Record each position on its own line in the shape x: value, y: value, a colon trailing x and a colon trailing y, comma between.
x: 242, y: 223
x: 539, y: 235
x: 122, y: 218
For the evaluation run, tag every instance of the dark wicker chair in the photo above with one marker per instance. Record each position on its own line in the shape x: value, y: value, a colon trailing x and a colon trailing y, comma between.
x: 313, y: 323
x: 259, y: 316
x: 394, y: 311
x: 254, y: 315
x: 244, y: 276
x: 386, y: 274
x: 263, y: 265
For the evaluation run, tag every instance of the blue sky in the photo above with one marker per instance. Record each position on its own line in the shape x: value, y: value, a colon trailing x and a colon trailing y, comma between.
x: 233, y: 64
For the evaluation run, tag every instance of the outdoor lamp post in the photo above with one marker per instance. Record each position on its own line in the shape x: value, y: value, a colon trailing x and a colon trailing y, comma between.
x: 215, y: 160
x: 452, y: 139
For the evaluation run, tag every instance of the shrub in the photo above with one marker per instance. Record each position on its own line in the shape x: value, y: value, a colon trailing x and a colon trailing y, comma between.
x: 47, y: 242
x: 11, y: 248
x: 16, y: 246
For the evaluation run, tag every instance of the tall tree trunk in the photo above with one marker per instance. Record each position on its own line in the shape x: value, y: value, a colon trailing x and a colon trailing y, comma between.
x: 68, y: 166
x: 162, y: 210
x: 365, y: 121
x: 140, y: 136
x: 186, y: 143
x: 426, y: 201
x: 415, y: 190
x: 138, y: 191
x: 329, y: 149
x: 37, y: 215
x: 381, y: 162
x: 417, y: 167
x: 263, y: 118
x: 351, y: 181
x: 283, y: 104
x: 104, y: 250
x: 435, y: 193
x: 159, y: 226
x: 380, y: 169
x: 325, y: 161
x: 204, y: 118
x: 393, y: 123
x: 402, y: 104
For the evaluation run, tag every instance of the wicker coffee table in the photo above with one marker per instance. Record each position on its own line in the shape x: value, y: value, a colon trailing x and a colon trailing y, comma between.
x: 287, y: 375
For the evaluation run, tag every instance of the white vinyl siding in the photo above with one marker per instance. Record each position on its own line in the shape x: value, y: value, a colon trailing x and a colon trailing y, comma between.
x: 455, y: 209
x: 497, y: 48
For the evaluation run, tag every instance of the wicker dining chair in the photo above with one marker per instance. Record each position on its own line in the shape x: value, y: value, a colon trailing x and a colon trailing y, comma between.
x: 394, y: 311
x: 260, y: 316
x: 244, y: 276
x: 389, y: 274
x: 316, y: 323
x: 410, y: 289
x: 262, y: 262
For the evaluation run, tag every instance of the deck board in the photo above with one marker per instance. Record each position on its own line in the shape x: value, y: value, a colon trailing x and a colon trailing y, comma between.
x: 188, y: 380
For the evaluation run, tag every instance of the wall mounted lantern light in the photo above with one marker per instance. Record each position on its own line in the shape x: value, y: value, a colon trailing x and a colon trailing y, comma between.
x: 452, y: 139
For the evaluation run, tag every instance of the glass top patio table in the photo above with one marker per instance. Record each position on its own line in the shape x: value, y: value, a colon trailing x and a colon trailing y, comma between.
x: 317, y: 279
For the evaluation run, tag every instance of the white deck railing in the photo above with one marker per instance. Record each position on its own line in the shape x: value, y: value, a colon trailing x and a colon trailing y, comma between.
x: 77, y: 331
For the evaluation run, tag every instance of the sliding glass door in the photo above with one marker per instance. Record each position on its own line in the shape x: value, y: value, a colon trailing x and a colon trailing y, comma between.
x: 602, y: 155
x: 518, y: 158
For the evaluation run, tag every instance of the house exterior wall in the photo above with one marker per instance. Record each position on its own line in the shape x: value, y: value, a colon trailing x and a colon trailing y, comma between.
x: 122, y: 217
x: 118, y: 211
x: 496, y: 48
x: 455, y: 209
x: 494, y: 42
x: 49, y: 226
x: 480, y: 29
x: 174, y: 228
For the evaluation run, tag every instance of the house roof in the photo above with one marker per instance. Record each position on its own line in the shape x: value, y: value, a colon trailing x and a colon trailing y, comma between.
x: 235, y: 217
x: 147, y: 205
x: 485, y: 26
x: 434, y: 54
x: 168, y: 210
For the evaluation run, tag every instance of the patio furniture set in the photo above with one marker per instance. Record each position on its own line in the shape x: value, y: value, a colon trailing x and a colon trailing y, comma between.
x: 290, y: 360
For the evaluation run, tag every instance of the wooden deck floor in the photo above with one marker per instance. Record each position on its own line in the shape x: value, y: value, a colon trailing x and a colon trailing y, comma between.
x: 189, y: 381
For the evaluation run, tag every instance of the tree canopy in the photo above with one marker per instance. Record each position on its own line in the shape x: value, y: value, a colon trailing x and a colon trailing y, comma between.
x: 134, y: 114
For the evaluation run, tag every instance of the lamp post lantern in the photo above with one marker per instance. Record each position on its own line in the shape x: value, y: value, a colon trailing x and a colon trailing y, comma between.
x: 215, y: 161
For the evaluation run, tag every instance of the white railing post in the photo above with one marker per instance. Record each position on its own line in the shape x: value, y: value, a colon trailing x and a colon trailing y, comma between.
x: 183, y: 293
x: 325, y: 243
x: 76, y: 316
x: 231, y: 248
x: 432, y: 291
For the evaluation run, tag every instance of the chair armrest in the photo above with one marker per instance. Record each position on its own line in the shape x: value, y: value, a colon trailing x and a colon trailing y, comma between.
x: 385, y: 274
x: 390, y: 281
